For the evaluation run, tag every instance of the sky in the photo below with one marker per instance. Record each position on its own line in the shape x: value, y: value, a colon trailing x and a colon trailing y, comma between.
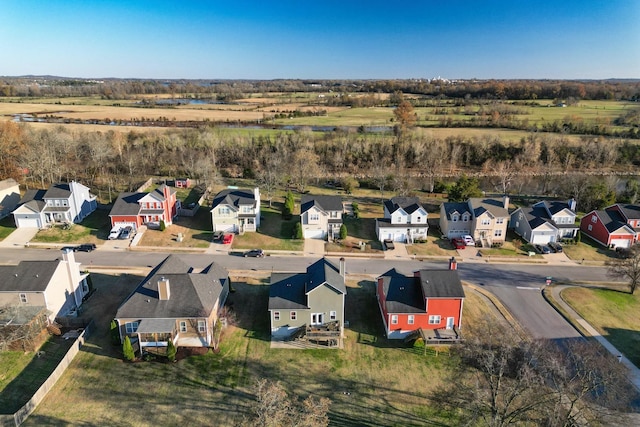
x: 306, y: 39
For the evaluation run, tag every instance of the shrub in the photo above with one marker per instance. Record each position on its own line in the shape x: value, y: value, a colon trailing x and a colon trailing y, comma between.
x: 289, y: 205
x: 579, y: 237
x: 163, y: 226
x: 127, y: 349
x: 343, y: 232
x: 171, y: 351
x: 298, y: 231
x: 356, y: 210
x: 115, y: 333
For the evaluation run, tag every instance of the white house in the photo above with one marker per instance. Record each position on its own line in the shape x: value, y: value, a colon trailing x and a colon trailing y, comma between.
x: 9, y: 196
x: 236, y: 210
x: 405, y: 220
x: 321, y: 216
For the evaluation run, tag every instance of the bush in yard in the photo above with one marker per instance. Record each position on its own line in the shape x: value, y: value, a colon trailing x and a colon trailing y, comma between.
x: 297, y: 234
x: 343, y: 232
x: 115, y: 334
x: 289, y: 205
x: 578, y: 237
x: 356, y: 210
x: 163, y: 226
x: 127, y: 349
x: 171, y: 351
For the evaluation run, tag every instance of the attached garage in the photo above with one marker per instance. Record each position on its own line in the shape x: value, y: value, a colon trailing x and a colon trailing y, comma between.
x: 28, y: 222
x: 542, y: 239
x: 314, y: 234
x: 226, y: 228
x: 621, y: 243
x: 126, y: 224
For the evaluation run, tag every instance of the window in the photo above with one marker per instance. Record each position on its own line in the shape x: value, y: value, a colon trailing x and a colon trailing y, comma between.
x: 131, y: 327
x: 590, y: 227
x: 465, y: 217
x: 497, y: 233
x: 64, y: 203
x: 418, y: 219
x: 486, y: 221
x: 183, y: 326
x: 410, y: 319
x: 499, y: 220
x: 394, y: 319
x: 434, y: 320
x: 333, y: 315
x: 594, y: 218
x: 246, y: 209
x: 293, y: 315
x: 276, y: 315
x: 517, y: 224
x: 224, y: 211
x: 23, y: 298
x: 314, y: 217
x: 202, y: 326
x: 333, y: 214
x: 454, y: 218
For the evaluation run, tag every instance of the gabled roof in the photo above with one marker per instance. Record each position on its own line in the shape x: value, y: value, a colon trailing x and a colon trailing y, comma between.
x: 451, y: 208
x: 234, y: 198
x: 158, y: 193
x: 555, y: 206
x: 58, y: 191
x: 127, y: 204
x: 192, y: 295
x: 441, y: 284
x: 629, y: 211
x: 290, y: 290
x: 324, y: 203
x: 492, y: 205
x: 612, y: 220
x: 32, y: 200
x: 28, y: 276
x: 535, y: 216
x: 407, y: 204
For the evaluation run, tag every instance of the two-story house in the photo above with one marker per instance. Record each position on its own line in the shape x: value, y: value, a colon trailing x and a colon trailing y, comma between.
x: 485, y: 219
x: 63, y: 203
x: 135, y: 209
x: 428, y: 300
x: 310, y: 304
x: 236, y: 210
x: 56, y: 285
x: 321, y: 216
x: 405, y: 220
x: 616, y: 226
x: 174, y: 303
x: 545, y: 221
x: 9, y: 196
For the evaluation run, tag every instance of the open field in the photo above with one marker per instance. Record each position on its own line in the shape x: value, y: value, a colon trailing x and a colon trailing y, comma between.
x: 372, y: 382
x: 613, y: 313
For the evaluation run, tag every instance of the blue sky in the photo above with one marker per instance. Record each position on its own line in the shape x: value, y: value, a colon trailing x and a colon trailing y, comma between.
x: 563, y: 39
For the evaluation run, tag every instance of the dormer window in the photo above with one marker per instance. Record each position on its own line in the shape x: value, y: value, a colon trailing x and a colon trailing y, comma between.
x: 454, y: 218
x: 465, y: 217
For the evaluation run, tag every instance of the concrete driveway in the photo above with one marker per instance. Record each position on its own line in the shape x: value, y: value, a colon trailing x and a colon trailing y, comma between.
x: 398, y: 252
x: 19, y: 238
x: 313, y: 247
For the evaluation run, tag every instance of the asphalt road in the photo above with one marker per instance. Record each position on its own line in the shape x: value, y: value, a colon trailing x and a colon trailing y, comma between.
x: 518, y: 286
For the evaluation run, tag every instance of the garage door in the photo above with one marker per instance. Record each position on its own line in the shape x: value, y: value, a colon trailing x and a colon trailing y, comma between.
x: 125, y: 224
x: 399, y: 237
x: 28, y: 222
x: 541, y: 239
x: 314, y: 234
x: 621, y: 243
x: 228, y: 228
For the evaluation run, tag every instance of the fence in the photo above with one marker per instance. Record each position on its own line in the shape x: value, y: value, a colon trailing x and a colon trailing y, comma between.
x: 23, y: 413
x: 192, y: 212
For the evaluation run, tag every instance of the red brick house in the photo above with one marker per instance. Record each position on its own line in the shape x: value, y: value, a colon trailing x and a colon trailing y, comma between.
x: 614, y: 226
x: 430, y: 300
x: 135, y: 209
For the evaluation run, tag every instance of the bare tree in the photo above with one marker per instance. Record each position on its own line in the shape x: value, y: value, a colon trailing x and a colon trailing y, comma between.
x: 275, y: 408
x: 501, y: 174
x: 627, y: 267
x: 270, y: 175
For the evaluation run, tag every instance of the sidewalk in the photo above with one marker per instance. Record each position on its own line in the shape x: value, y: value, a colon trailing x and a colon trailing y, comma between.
x: 634, y: 372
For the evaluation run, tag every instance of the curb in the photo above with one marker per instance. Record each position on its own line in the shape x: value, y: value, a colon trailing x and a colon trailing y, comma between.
x: 504, y: 311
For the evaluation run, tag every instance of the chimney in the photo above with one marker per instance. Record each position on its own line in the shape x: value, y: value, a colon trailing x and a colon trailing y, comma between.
x: 505, y: 201
x: 342, y: 266
x: 453, y: 264
x: 164, y: 292
x: 572, y: 204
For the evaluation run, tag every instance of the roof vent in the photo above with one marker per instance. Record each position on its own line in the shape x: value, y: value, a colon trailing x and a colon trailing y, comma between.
x: 15, y: 274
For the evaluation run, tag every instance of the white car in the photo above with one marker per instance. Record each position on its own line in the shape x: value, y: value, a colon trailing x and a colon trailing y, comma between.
x: 115, y: 232
x: 469, y: 240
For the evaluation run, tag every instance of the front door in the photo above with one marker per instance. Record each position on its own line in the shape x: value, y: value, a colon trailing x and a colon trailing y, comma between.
x: 317, y: 318
x: 450, y: 322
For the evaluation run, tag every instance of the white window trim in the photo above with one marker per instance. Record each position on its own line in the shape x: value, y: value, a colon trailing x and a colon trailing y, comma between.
x: 293, y: 315
x: 333, y: 315
x: 433, y: 318
x: 394, y: 319
x: 131, y: 327
x: 411, y: 319
x: 202, y: 326
x: 23, y: 298
x: 276, y: 315
x: 183, y: 326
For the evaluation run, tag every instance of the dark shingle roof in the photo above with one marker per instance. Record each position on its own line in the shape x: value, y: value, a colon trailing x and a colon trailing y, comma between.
x: 191, y: 294
x: 408, y: 204
x: 403, y: 294
x: 325, y: 203
x: 58, y: 191
x: 234, y: 197
x: 441, y: 284
x: 28, y: 276
x: 452, y: 207
x: 127, y: 204
x: 289, y: 291
x: 630, y: 211
x: 493, y: 206
x: 612, y: 219
x: 536, y: 216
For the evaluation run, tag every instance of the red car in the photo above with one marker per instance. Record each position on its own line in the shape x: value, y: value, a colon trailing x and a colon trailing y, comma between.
x: 227, y: 239
x: 458, y: 243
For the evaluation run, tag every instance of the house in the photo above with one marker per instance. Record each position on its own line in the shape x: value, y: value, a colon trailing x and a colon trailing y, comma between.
x: 615, y: 226
x: 9, y: 196
x: 428, y: 300
x: 174, y: 303
x: 56, y: 285
x: 310, y: 303
x: 136, y: 209
x: 485, y: 219
x: 236, y: 210
x: 405, y: 220
x: 545, y: 221
x: 321, y: 216
x: 61, y: 203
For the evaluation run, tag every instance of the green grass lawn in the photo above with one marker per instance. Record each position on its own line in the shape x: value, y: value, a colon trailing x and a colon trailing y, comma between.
x: 614, y: 314
x: 275, y: 233
x: 7, y: 226
x: 588, y: 250
x: 93, y: 229
x: 372, y: 381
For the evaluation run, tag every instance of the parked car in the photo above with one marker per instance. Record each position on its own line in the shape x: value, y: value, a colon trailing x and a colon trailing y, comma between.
x: 545, y: 249
x: 115, y: 232
x: 388, y: 244
x: 85, y: 247
x: 217, y: 236
x: 458, y: 243
x: 537, y: 248
x: 227, y: 239
x: 557, y: 247
x: 468, y: 240
x: 125, y: 233
x: 254, y: 253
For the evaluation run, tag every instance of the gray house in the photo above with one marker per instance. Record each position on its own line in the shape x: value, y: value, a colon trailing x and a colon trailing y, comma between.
x: 310, y: 304
x: 546, y: 221
x: 321, y: 216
